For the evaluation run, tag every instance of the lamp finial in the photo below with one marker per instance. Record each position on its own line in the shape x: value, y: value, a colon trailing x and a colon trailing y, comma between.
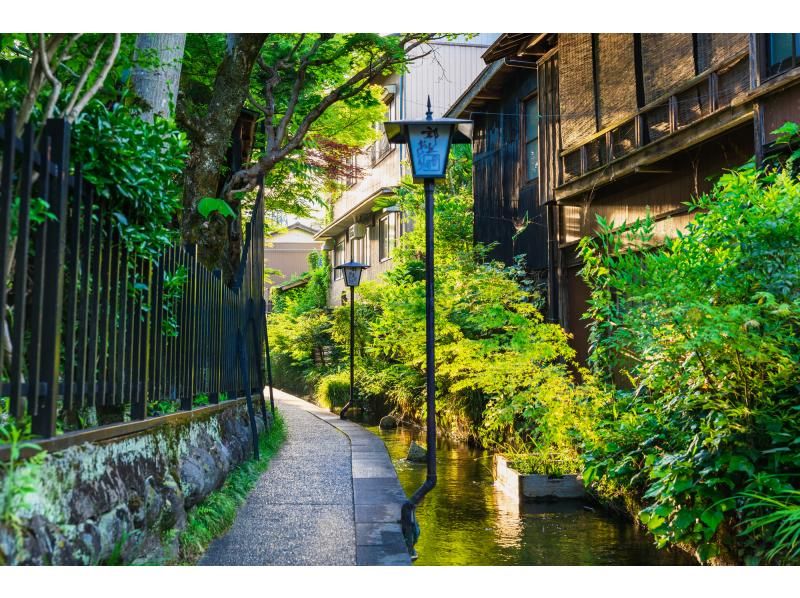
x: 429, y: 114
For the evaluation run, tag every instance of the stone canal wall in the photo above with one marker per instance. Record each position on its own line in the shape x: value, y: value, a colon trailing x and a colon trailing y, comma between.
x: 120, y: 500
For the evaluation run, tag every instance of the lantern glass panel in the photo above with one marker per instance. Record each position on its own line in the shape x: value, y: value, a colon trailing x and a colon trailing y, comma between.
x: 352, y: 276
x: 429, y: 144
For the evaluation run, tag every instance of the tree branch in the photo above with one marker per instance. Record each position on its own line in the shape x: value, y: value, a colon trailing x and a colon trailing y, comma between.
x: 98, y: 83
x: 191, y: 123
x: 48, y: 73
x: 298, y: 86
x: 85, y: 76
x: 352, y: 87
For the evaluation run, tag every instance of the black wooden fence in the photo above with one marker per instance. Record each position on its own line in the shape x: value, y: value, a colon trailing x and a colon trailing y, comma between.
x: 87, y: 320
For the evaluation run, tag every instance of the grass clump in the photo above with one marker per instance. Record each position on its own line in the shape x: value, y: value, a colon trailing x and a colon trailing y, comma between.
x: 553, y: 462
x: 333, y: 390
x: 212, y: 518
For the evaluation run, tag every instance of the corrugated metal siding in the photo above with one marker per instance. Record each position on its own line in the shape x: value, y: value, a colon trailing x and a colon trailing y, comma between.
x: 616, y: 78
x: 443, y: 75
x: 576, y: 87
x: 667, y: 60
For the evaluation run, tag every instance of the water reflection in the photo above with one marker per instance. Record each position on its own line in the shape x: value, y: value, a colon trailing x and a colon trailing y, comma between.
x: 465, y: 520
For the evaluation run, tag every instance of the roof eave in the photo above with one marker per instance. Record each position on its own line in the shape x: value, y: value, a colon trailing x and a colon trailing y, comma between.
x: 342, y: 222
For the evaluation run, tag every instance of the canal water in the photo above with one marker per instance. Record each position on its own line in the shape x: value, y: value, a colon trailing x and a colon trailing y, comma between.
x: 465, y: 520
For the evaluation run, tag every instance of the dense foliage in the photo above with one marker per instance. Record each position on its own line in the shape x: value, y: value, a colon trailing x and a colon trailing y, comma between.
x: 300, y: 327
x: 706, y: 329
x: 504, y: 376
x: 137, y: 167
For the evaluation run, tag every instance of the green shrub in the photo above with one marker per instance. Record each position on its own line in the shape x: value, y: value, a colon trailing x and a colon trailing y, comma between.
x: 504, y: 376
x: 333, y: 390
x: 707, y: 331
x: 137, y: 167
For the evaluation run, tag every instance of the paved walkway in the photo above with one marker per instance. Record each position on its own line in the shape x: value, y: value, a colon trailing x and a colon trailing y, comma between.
x: 329, y: 497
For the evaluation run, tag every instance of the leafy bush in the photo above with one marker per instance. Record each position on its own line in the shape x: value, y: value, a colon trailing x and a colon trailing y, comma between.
x: 504, y: 377
x: 333, y: 390
x: 706, y: 329
x: 137, y: 167
x: 17, y: 480
x: 299, y: 328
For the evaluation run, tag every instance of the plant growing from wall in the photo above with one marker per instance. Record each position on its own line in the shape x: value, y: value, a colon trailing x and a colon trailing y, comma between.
x: 17, y: 479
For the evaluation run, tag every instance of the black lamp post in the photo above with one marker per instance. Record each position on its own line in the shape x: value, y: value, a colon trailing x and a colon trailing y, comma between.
x: 352, y: 278
x: 428, y: 143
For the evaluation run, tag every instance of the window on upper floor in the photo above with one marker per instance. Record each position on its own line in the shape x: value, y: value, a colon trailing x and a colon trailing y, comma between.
x: 531, y: 138
x: 382, y: 146
x: 359, y: 249
x: 389, y: 230
x: 351, y: 171
x: 338, y: 259
x: 782, y: 52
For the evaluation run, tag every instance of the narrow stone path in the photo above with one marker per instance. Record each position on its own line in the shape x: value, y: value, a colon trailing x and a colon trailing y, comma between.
x: 329, y: 497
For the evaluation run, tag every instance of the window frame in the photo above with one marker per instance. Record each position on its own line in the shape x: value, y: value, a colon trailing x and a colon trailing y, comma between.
x: 338, y: 274
x: 359, y: 248
x: 393, y: 232
x: 524, y: 141
x: 766, y: 65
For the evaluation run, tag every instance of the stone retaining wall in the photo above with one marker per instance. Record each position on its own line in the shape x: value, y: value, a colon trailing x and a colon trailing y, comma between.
x: 120, y: 500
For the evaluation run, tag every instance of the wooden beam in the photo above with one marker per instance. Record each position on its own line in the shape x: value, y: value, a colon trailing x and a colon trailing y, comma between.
x: 702, y: 130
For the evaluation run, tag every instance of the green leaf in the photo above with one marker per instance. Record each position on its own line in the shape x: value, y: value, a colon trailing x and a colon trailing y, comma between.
x: 684, y: 519
x: 712, y: 518
x: 209, y: 205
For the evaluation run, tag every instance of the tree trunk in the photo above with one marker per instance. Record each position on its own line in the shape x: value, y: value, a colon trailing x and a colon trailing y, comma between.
x: 157, y: 86
x: 210, y: 138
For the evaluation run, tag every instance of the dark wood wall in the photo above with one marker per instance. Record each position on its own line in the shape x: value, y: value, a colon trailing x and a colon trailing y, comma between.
x: 503, y: 199
x: 662, y: 194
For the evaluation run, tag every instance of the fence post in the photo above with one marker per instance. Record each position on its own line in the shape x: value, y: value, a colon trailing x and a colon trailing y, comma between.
x: 251, y: 320
x: 44, y: 420
x: 6, y: 196
x: 243, y: 366
x: 269, y: 359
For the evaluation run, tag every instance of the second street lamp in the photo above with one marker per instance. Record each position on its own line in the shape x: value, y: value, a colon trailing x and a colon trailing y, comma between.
x: 428, y: 143
x: 352, y: 278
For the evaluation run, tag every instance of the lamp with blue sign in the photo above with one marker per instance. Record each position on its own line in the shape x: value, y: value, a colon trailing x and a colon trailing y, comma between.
x: 429, y: 144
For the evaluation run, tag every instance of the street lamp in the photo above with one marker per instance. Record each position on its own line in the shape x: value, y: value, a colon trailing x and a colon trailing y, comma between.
x: 428, y: 143
x: 352, y: 278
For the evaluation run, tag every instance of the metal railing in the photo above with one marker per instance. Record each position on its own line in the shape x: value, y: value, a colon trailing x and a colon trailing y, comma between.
x: 89, y: 323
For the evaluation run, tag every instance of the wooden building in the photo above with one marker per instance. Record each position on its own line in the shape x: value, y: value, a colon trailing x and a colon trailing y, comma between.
x: 571, y: 126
